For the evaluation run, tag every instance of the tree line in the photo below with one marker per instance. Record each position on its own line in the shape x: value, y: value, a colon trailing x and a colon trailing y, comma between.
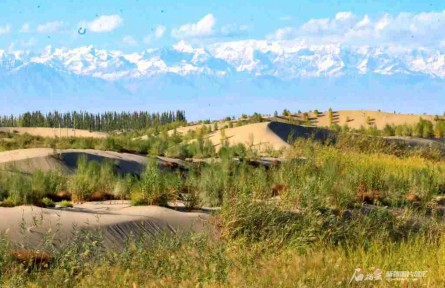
x: 105, y: 122
x: 423, y: 129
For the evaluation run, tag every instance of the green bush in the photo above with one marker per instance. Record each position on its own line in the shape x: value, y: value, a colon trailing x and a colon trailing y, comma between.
x: 65, y: 204
x: 48, y: 203
x: 91, y: 177
x: 154, y: 186
x: 8, y: 202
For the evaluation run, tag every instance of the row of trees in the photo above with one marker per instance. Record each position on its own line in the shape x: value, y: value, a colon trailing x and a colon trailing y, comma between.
x: 424, y: 129
x: 108, y: 121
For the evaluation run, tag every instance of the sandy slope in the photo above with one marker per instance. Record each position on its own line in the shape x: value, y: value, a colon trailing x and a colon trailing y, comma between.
x: 28, y: 225
x: 185, y: 129
x: 355, y: 119
x: 28, y: 160
x: 55, y: 132
x: 258, y: 135
x: 266, y: 134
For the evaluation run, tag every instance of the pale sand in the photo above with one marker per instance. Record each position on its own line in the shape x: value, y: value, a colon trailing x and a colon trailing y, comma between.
x: 185, y: 129
x: 265, y: 135
x: 359, y: 118
x: 116, y: 220
x: 54, y: 132
x: 28, y: 160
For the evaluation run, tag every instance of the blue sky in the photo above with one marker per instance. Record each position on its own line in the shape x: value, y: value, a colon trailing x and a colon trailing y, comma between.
x: 135, y: 25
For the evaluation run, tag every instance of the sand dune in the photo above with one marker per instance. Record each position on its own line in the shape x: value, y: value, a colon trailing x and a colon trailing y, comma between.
x: 54, y: 132
x: 267, y: 134
x: 356, y: 119
x: 116, y: 221
x: 185, y: 129
x: 28, y: 160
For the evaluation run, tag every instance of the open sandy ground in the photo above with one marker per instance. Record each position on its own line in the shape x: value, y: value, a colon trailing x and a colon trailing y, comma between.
x: 31, y: 226
x: 358, y: 118
x: 45, y: 159
x: 54, y: 132
x: 265, y: 135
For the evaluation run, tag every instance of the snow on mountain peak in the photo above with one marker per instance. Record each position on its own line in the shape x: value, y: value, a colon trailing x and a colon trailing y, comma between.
x: 284, y: 59
x: 181, y: 46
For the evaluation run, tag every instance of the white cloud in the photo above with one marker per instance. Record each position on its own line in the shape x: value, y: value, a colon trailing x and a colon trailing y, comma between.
x: 341, y: 16
x: 6, y: 29
x: 50, y: 27
x: 203, y: 28
x: 282, y: 33
x: 129, y: 40
x: 26, y: 28
x: 421, y: 29
x: 105, y: 23
x: 159, y: 32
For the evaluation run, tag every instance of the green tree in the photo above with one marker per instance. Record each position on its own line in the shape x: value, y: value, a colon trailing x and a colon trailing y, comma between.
x: 389, y: 130
x: 331, y: 116
x: 439, y: 129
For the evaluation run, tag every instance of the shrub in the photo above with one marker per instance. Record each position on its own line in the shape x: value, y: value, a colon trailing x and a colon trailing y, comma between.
x: 48, y: 203
x: 8, y: 202
x: 331, y: 116
x: 91, y: 177
x: 138, y: 199
x: 20, y: 190
x: 65, y: 204
x: 122, y: 187
x: 153, y: 187
x: 261, y: 222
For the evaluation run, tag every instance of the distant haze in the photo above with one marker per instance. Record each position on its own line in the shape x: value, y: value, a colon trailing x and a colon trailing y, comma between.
x: 226, y: 80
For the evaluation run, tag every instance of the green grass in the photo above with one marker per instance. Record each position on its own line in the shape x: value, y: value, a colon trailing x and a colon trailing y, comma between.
x: 314, y: 235
x: 65, y: 204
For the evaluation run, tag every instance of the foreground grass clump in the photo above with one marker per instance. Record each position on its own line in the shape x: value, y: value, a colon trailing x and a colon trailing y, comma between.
x: 261, y: 246
x: 48, y: 203
x: 340, y: 209
x: 65, y: 204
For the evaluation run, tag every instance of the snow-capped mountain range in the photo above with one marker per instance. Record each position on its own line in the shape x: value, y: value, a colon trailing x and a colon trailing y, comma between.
x: 229, y: 70
x: 285, y: 60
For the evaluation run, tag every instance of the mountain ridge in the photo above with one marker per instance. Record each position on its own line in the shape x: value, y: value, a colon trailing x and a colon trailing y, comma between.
x: 224, y: 79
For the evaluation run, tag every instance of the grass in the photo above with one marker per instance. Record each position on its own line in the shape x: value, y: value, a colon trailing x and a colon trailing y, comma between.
x: 65, y: 204
x: 314, y: 234
x: 262, y: 252
x: 48, y: 203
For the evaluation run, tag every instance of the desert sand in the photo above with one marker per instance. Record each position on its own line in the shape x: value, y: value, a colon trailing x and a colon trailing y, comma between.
x: 356, y: 119
x: 31, y: 226
x: 54, y: 132
x: 266, y: 135
x: 45, y: 159
x: 185, y: 129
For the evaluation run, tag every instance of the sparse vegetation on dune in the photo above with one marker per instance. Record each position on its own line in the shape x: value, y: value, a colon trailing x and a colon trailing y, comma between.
x: 351, y: 202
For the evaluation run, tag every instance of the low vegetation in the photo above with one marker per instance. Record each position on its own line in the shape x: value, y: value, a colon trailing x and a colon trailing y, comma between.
x: 333, y: 207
